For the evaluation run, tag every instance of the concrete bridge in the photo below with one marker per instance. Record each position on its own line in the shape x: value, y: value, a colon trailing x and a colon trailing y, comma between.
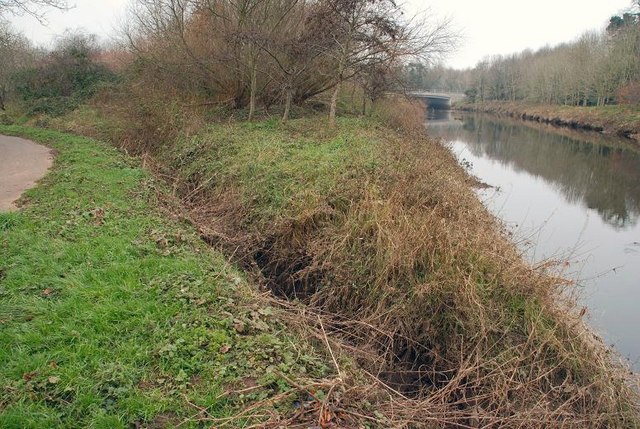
x: 437, y: 100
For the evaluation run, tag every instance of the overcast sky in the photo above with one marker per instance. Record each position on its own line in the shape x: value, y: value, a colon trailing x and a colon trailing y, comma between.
x: 488, y: 26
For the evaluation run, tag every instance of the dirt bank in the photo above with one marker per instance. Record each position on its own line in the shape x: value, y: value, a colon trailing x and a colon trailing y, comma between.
x: 623, y: 121
x: 22, y: 164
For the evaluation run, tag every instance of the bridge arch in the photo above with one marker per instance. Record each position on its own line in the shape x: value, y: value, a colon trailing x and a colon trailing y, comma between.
x: 434, y: 100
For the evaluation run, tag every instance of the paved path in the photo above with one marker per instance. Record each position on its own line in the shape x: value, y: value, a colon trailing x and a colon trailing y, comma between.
x: 22, y: 163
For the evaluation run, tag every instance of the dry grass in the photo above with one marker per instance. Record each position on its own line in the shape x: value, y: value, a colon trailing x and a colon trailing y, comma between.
x: 374, y: 244
x: 478, y: 335
x: 400, y: 113
x: 411, y: 277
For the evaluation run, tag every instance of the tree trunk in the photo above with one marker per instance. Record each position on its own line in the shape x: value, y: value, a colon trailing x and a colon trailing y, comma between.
x: 254, y: 86
x: 334, y: 105
x: 3, y: 93
x: 287, y: 105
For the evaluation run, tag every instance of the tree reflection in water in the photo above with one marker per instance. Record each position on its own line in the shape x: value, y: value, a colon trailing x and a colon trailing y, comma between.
x: 569, y: 195
x: 602, y: 173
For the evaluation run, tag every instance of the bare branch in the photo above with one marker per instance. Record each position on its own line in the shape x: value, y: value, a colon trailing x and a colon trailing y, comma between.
x: 34, y: 8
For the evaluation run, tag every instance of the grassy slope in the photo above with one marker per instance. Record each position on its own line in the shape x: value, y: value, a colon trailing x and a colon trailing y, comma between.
x: 392, y: 225
x: 280, y: 171
x: 620, y: 119
x: 113, y: 315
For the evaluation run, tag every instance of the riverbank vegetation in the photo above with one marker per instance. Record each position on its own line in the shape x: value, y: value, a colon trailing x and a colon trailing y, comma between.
x: 386, y: 239
x: 380, y: 291
x: 372, y: 236
x: 621, y: 120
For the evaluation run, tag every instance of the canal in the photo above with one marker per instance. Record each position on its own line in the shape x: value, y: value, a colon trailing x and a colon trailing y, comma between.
x: 567, y: 196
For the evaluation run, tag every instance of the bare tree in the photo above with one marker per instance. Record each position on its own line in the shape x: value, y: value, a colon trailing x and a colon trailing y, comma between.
x: 589, y: 71
x: 252, y: 51
x: 299, y: 53
x: 35, y: 8
x: 219, y: 43
x: 370, y: 34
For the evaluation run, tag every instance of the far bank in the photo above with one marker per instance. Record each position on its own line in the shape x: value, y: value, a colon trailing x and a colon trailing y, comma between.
x: 619, y: 120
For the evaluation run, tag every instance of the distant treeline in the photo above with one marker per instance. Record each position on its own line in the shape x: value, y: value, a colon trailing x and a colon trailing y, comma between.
x: 597, y: 69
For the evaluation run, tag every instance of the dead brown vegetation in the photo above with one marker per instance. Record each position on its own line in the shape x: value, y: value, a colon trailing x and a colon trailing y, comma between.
x: 427, y: 312
x: 406, y: 272
x: 630, y: 94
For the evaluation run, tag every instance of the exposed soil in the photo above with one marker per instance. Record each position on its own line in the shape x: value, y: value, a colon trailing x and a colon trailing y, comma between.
x: 22, y: 164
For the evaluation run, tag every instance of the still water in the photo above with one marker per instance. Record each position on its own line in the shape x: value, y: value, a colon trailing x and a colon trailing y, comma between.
x: 567, y: 195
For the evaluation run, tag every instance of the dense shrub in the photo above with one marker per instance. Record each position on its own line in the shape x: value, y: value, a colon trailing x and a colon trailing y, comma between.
x: 629, y: 94
x: 62, y: 79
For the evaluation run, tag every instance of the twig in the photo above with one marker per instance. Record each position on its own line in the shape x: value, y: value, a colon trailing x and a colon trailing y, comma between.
x: 326, y: 340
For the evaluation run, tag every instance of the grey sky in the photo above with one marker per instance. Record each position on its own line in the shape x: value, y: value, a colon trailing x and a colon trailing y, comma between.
x: 507, y: 26
x: 489, y: 26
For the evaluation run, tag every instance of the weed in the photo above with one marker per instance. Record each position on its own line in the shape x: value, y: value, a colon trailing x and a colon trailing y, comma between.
x: 8, y: 221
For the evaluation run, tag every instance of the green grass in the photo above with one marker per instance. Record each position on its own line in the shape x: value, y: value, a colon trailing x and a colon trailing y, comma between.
x: 114, y: 315
x: 279, y: 170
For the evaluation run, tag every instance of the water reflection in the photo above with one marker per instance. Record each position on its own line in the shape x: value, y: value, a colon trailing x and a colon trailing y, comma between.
x: 440, y: 117
x: 570, y: 195
x: 600, y: 177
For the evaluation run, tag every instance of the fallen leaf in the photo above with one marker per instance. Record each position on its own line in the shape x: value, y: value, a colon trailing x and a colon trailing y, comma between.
x: 53, y: 364
x: 225, y: 348
x: 47, y: 292
x: 326, y: 418
x: 27, y: 376
x: 238, y: 325
x: 54, y: 380
x: 98, y: 216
